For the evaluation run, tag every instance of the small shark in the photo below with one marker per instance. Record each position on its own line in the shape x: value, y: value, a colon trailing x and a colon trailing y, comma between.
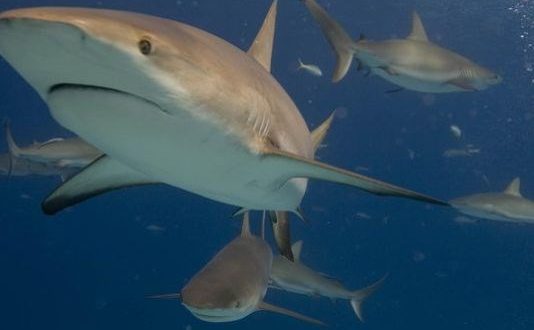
x: 298, y: 278
x: 23, y: 167
x: 233, y: 284
x: 412, y: 63
x: 170, y: 103
x: 56, y: 152
x: 508, y: 206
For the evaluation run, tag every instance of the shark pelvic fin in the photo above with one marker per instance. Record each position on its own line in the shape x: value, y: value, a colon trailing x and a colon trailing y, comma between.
x: 514, y: 188
x: 297, y: 249
x: 318, y: 135
x: 359, y: 296
x: 336, y: 36
x: 262, y: 47
x: 275, y: 309
x: 294, y: 166
x: 418, y: 30
x: 99, y: 177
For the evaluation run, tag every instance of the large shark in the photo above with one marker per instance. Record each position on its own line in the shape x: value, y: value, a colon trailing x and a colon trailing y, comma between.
x: 413, y: 63
x: 509, y: 205
x: 233, y: 284
x: 169, y: 103
x: 298, y: 278
x: 57, y: 152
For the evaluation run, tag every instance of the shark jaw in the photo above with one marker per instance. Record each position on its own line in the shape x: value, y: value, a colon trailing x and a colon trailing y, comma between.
x: 139, y: 109
x: 220, y: 314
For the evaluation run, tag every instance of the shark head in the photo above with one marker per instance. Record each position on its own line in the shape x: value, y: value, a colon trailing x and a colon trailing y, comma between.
x: 77, y: 48
x: 481, y: 78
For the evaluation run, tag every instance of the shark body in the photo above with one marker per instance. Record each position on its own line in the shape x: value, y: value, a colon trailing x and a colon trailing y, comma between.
x: 412, y: 63
x: 507, y: 206
x: 170, y: 103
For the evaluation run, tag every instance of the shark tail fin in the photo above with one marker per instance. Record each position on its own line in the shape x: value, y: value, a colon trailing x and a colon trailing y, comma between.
x: 336, y: 36
x: 359, y: 296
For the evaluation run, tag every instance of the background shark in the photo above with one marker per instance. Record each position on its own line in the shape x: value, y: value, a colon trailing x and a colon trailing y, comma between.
x: 412, y: 63
x: 298, y: 278
x: 508, y: 206
x: 233, y: 284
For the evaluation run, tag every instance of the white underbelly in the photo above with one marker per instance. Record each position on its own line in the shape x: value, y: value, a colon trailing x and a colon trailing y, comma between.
x: 180, y: 149
x: 412, y: 82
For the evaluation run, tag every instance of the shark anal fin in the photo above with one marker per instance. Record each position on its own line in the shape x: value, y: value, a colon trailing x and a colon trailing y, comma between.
x: 294, y: 166
x: 275, y: 309
x: 336, y: 36
x: 262, y: 47
x: 99, y: 177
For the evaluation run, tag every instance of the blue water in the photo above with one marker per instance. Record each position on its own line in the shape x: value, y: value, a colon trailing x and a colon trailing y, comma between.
x: 92, y: 266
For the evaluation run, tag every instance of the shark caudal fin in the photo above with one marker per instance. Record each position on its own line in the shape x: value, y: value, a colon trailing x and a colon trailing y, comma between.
x: 336, y: 36
x: 359, y: 296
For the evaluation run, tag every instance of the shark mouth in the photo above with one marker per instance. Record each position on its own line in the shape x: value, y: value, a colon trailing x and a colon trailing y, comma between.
x: 70, y: 86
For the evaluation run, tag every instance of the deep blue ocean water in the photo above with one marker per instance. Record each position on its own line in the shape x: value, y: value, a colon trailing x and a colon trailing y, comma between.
x: 92, y: 266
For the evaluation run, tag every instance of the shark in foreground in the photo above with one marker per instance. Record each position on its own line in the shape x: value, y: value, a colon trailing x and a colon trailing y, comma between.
x: 169, y: 103
x: 56, y: 152
x: 413, y: 63
x: 509, y: 205
x: 298, y: 278
x: 233, y: 284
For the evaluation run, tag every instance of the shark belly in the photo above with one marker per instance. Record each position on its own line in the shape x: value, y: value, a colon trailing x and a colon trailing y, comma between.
x: 178, y: 149
x: 417, y: 83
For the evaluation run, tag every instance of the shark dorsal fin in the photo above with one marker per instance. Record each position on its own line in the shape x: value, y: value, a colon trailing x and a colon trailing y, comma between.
x: 245, y: 227
x: 513, y: 188
x: 418, y: 30
x: 296, y: 248
x: 262, y: 47
x: 320, y: 132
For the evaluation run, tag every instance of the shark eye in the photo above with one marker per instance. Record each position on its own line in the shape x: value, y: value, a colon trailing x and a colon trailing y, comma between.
x: 145, y: 46
x: 237, y: 304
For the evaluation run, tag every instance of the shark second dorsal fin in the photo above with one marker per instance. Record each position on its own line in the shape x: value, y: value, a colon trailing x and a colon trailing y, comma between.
x: 245, y: 227
x: 262, y: 47
x: 514, y: 188
x: 275, y: 309
x: 418, y: 30
x: 297, y: 249
x: 320, y: 132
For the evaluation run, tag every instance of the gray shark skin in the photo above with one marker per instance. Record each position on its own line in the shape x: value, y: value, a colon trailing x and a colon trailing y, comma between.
x: 233, y: 283
x: 56, y: 152
x: 507, y: 206
x: 412, y: 63
x: 169, y: 103
x: 23, y: 167
x: 298, y: 278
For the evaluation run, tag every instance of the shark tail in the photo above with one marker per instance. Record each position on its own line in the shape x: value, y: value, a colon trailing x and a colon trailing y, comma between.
x: 339, y: 40
x: 359, y: 296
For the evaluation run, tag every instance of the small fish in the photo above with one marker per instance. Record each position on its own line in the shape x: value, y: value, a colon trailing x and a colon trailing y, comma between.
x: 456, y: 131
x: 311, y: 68
x: 468, y: 151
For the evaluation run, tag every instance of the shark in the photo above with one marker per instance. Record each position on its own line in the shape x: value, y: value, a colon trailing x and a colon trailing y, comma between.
x: 23, y: 167
x: 234, y: 282
x: 298, y: 278
x: 508, y: 205
x: 413, y: 63
x: 58, y: 152
x: 169, y: 103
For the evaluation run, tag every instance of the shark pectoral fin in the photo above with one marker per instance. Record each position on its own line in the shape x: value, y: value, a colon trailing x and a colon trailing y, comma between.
x: 336, y: 36
x: 275, y: 309
x: 101, y: 176
x: 297, y: 249
x: 389, y: 70
x: 293, y: 166
x: 166, y: 296
x: 462, y: 83
x: 418, y: 30
x: 359, y: 296
x: 262, y: 47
